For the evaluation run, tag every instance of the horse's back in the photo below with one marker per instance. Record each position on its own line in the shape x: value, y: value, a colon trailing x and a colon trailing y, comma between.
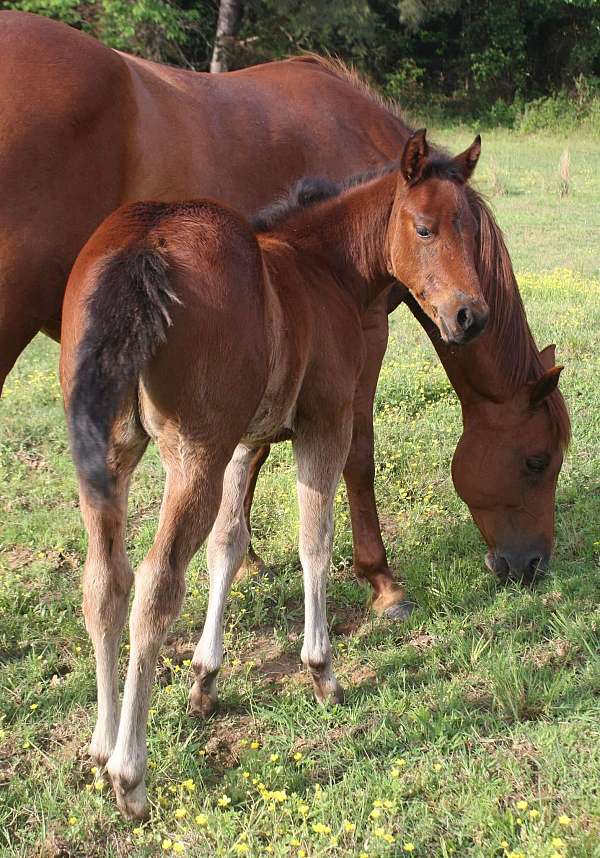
x: 63, y: 155
x: 215, y: 346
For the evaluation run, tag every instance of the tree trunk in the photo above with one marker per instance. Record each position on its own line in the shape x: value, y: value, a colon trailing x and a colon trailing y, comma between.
x: 230, y: 13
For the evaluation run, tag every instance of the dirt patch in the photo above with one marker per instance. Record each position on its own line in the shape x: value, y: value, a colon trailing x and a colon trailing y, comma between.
x: 421, y: 641
x: 556, y: 652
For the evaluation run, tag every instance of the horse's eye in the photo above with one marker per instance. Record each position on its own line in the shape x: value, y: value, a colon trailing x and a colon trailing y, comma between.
x: 537, y: 464
x: 423, y: 231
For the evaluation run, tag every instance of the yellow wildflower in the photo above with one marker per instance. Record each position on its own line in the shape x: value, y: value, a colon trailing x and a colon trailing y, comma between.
x: 377, y: 803
x: 557, y: 842
x: 294, y: 842
x: 297, y: 756
x: 178, y: 847
x: 189, y: 785
x: 333, y: 841
x: 522, y: 805
x: 504, y: 844
x: 180, y: 813
x: 533, y: 814
x: 166, y: 844
x: 301, y: 853
x: 246, y: 775
x: 564, y: 820
x: 99, y: 786
x: 556, y: 855
x: 303, y: 809
x: 375, y: 813
x: 350, y: 827
x: 201, y: 819
x: 241, y: 848
x: 138, y: 831
x: 255, y: 745
x: 408, y: 847
x: 319, y: 828
x: 34, y: 706
x: 395, y: 773
x: 437, y: 767
x: 224, y: 801
x: 273, y: 758
x: 400, y: 761
x: 72, y: 820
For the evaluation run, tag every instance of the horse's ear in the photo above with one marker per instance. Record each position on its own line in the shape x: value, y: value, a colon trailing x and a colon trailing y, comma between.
x: 414, y: 157
x: 548, y: 356
x: 467, y: 160
x: 544, y: 386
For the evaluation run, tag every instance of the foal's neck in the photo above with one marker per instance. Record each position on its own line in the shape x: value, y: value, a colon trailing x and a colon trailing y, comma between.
x: 348, y: 235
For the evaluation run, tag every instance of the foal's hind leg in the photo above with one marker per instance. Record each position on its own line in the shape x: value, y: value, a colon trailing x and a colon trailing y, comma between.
x: 227, y: 545
x: 320, y: 461
x: 190, y: 504
x: 107, y: 581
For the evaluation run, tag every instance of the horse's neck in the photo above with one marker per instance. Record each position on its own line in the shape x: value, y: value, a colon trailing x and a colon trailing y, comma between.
x: 474, y: 370
x: 349, y: 235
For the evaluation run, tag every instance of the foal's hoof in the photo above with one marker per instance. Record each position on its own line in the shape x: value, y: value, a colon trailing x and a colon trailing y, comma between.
x: 328, y: 692
x: 132, y: 802
x: 202, y: 702
x: 252, y: 566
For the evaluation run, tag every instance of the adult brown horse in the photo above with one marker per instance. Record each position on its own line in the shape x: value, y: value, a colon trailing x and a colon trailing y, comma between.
x: 85, y: 129
x: 179, y: 325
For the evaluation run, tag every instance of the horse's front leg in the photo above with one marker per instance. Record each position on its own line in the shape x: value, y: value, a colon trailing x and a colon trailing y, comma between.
x: 369, y: 555
x: 227, y: 545
x: 320, y: 457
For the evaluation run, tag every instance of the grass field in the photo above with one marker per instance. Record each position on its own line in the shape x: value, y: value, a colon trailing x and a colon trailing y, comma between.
x: 473, y: 729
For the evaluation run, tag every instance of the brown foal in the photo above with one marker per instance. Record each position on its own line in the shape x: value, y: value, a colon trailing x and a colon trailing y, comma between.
x: 181, y: 326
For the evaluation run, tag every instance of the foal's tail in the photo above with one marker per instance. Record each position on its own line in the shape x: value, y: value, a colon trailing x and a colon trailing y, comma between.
x: 127, y: 319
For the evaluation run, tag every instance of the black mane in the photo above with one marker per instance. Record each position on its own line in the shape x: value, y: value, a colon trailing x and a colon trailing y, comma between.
x: 310, y: 190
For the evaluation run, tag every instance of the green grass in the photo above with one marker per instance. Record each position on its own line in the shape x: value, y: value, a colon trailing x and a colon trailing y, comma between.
x: 487, y: 697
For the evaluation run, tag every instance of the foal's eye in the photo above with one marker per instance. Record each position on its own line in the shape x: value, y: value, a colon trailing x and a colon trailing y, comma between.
x: 423, y: 231
x: 537, y: 464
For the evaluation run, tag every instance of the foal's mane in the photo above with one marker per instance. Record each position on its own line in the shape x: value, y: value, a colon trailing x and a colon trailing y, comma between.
x: 514, y: 345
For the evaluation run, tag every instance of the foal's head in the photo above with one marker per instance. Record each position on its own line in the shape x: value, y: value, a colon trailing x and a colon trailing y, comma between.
x: 432, y: 235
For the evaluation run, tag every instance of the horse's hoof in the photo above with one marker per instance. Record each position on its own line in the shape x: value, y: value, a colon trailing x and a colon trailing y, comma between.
x: 401, y: 611
x: 100, y: 749
x: 202, y: 703
x: 393, y: 604
x: 328, y: 691
x: 131, y: 801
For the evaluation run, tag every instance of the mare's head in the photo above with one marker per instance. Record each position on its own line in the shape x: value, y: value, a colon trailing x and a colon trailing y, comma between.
x: 505, y: 469
x: 432, y: 238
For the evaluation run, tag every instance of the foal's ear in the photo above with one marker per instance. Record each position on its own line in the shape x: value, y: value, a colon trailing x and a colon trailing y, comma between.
x: 414, y: 157
x: 467, y: 160
x: 544, y: 386
x: 548, y: 356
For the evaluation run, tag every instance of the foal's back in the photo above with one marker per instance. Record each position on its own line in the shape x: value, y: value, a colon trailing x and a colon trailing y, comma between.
x: 180, y: 287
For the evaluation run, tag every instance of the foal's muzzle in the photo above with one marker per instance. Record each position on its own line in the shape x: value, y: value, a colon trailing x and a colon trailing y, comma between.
x: 463, y: 324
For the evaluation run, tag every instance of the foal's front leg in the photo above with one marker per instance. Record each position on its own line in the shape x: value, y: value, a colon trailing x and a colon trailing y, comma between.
x: 320, y: 460
x: 227, y: 545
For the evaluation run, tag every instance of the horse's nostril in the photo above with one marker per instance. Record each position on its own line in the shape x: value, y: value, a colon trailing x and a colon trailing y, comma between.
x: 464, y: 318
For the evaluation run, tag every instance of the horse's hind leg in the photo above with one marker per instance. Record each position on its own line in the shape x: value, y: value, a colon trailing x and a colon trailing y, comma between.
x: 320, y: 461
x: 227, y: 545
x: 190, y: 504
x: 107, y: 581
